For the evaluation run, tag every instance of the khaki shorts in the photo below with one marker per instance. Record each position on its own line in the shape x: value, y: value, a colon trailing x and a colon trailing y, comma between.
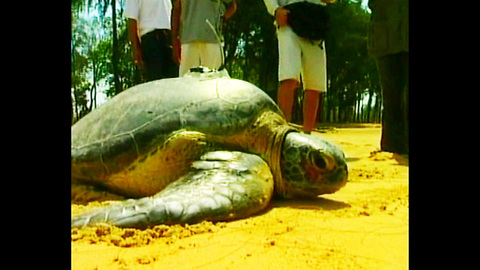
x: 299, y: 56
x: 200, y: 54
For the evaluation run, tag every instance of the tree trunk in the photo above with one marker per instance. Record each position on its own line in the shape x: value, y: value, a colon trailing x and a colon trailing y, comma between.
x: 369, y: 105
x: 75, y: 98
x: 378, y: 109
x: 115, y: 55
x: 248, y: 50
x: 93, y: 90
x: 356, y: 111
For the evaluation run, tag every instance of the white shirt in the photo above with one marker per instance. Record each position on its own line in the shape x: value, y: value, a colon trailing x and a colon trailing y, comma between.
x: 149, y: 14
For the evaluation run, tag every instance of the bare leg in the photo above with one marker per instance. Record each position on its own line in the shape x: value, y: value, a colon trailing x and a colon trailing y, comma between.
x: 310, y: 108
x: 285, y: 97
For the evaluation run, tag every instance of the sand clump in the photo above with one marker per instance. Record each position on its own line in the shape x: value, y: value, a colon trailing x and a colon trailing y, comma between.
x: 362, y: 226
x: 129, y: 237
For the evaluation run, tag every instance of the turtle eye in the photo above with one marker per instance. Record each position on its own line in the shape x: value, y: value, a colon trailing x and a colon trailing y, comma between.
x: 317, y: 159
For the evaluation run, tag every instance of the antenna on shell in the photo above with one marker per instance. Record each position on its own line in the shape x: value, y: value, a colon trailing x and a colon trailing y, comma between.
x: 217, y: 36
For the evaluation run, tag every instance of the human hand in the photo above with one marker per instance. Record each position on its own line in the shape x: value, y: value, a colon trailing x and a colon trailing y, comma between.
x: 281, y: 16
x: 176, y: 51
x: 138, y: 57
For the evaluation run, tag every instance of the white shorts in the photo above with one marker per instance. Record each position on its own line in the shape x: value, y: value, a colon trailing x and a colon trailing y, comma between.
x: 299, y: 56
x: 200, y: 54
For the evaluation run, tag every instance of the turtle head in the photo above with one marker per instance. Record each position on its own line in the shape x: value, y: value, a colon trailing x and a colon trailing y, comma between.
x: 311, y: 166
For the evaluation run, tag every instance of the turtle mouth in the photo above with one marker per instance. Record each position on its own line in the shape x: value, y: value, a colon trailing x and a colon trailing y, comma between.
x: 331, y: 182
x: 338, y: 178
x: 325, y: 183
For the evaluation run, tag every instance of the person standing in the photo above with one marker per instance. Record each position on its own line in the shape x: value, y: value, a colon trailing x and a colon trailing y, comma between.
x: 388, y: 43
x: 196, y: 32
x: 149, y: 27
x: 299, y: 57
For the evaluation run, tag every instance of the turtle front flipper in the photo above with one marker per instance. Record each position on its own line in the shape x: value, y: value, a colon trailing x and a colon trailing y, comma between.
x: 220, y: 186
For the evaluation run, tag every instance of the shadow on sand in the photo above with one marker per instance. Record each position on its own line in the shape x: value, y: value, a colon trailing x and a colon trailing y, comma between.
x: 314, y: 203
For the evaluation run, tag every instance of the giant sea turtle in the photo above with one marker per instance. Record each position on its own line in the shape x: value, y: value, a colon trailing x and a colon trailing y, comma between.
x: 200, y: 147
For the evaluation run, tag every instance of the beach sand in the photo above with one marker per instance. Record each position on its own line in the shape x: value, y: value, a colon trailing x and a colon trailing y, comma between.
x: 362, y: 226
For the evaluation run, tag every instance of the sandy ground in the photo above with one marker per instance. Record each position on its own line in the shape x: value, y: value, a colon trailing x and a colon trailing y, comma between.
x: 362, y: 226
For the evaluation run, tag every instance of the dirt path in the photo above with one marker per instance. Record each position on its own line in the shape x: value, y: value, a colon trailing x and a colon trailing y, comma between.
x: 362, y: 226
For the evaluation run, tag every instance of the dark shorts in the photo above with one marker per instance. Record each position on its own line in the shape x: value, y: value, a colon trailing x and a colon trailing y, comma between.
x: 157, y: 55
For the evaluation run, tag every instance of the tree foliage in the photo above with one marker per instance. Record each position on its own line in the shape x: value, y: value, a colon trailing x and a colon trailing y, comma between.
x: 251, y: 54
x: 251, y: 46
x: 352, y: 73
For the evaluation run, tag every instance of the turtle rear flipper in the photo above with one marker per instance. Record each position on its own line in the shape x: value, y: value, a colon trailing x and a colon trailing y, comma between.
x: 220, y: 186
